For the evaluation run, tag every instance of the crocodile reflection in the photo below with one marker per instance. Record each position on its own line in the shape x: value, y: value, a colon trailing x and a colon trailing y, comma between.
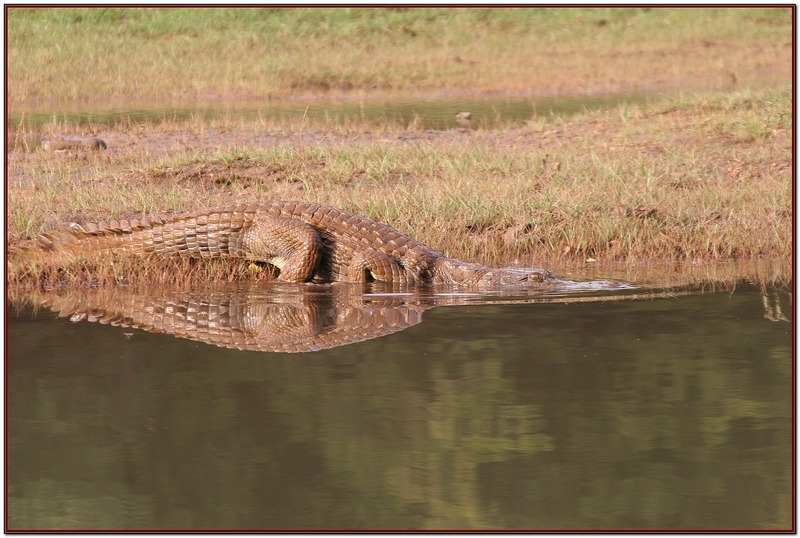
x: 276, y: 317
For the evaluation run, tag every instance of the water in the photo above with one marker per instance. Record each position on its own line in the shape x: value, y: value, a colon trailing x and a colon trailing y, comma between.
x: 635, y: 409
x: 339, y: 407
x: 437, y: 113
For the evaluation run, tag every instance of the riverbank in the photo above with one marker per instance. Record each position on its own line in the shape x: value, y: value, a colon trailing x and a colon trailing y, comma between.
x: 694, y: 179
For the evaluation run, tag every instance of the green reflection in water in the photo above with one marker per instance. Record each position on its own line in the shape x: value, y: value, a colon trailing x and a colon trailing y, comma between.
x: 668, y: 414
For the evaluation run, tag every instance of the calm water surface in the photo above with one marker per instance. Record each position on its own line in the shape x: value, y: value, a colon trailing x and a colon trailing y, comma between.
x: 622, y: 411
x: 436, y: 113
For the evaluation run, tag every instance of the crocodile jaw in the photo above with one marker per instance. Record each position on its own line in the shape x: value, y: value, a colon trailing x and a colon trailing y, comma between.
x: 450, y: 271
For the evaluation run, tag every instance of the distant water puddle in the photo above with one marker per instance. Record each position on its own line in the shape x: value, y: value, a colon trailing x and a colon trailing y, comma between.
x: 439, y: 113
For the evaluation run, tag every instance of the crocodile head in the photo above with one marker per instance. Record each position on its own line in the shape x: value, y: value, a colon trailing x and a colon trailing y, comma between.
x: 534, y: 277
x: 457, y: 272
x: 450, y: 271
x: 517, y: 276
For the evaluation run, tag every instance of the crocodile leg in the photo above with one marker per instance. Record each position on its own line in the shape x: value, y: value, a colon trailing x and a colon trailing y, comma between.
x: 367, y: 265
x: 290, y: 245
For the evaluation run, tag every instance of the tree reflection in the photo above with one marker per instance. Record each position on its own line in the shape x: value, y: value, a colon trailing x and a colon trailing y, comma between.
x: 656, y: 414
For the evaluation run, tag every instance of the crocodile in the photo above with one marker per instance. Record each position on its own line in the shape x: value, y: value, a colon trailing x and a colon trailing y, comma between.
x: 305, y: 242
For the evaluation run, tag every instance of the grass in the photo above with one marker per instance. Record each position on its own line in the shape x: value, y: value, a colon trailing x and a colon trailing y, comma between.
x: 701, y: 175
x: 61, y: 55
x: 695, y: 178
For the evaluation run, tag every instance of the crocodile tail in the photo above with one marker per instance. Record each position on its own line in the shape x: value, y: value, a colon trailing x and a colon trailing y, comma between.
x: 32, y: 258
x: 206, y: 234
x: 128, y: 237
x: 45, y: 245
x: 95, y: 237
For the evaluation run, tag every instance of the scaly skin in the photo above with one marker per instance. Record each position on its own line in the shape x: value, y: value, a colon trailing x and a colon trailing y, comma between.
x: 294, y: 322
x: 305, y: 241
x: 282, y: 317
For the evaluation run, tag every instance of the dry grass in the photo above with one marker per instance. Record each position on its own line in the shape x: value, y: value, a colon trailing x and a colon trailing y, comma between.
x: 90, y: 55
x: 694, y: 178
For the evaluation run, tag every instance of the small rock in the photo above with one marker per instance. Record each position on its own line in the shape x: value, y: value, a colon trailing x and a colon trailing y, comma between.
x: 464, y: 118
x: 97, y: 144
x: 73, y: 144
